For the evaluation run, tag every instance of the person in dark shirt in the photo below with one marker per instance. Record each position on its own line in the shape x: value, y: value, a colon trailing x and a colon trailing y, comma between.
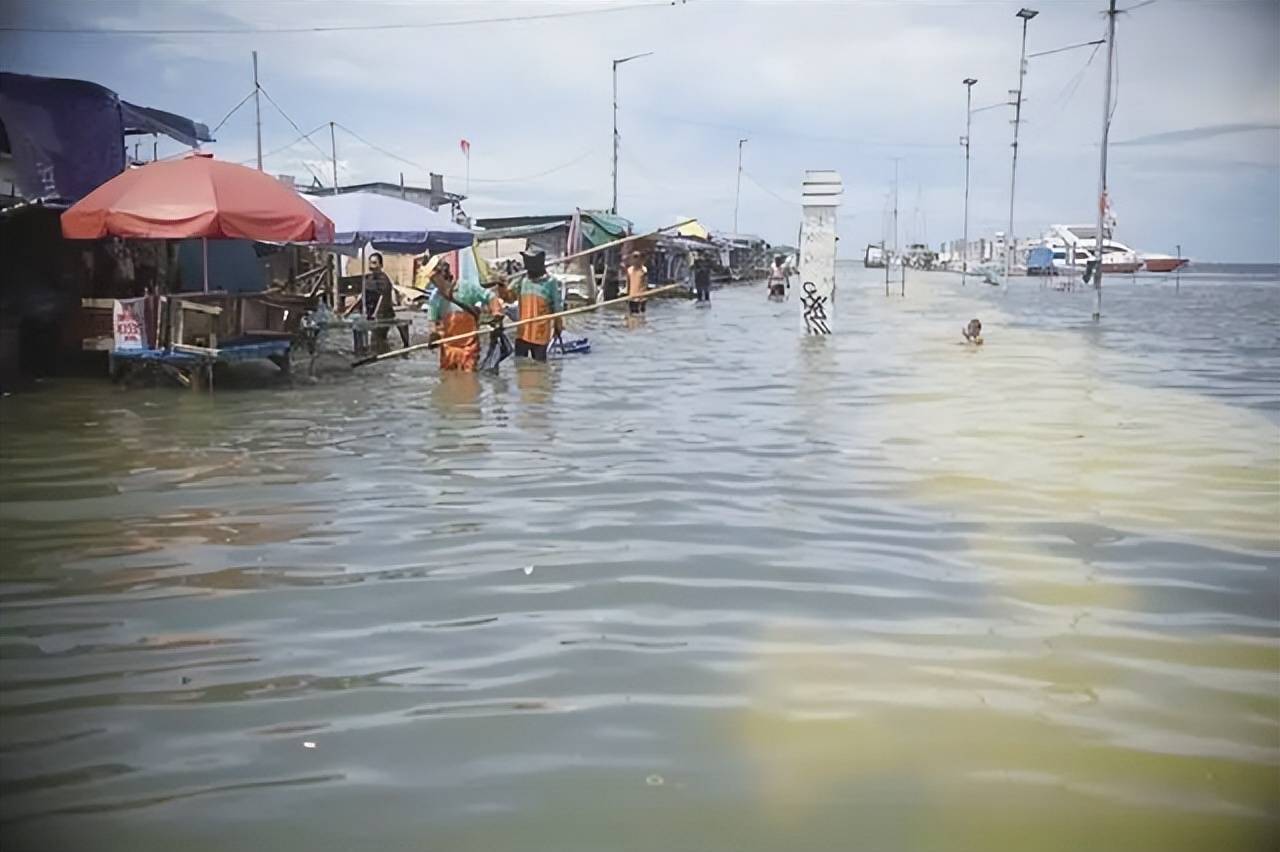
x: 378, y: 303
x: 702, y: 279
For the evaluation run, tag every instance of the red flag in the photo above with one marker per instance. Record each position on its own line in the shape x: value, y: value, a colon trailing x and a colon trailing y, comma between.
x: 466, y: 147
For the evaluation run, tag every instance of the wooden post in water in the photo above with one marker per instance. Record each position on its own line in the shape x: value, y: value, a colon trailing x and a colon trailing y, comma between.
x: 1177, y: 271
x: 820, y: 198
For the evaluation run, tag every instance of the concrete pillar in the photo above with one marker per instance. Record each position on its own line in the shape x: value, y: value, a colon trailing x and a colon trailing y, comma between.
x: 821, y: 196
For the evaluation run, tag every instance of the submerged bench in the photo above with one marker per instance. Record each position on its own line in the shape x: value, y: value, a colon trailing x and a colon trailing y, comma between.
x: 192, y: 366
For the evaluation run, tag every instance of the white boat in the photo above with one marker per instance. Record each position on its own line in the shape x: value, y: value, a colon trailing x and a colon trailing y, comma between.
x: 1074, y: 246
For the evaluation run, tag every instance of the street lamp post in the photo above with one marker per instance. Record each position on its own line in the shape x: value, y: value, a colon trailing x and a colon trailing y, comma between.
x: 738, y: 192
x: 614, y: 207
x: 1026, y: 15
x: 968, y: 123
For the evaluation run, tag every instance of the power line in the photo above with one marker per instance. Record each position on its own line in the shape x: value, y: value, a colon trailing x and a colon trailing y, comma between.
x: 307, y: 136
x: 768, y: 191
x: 380, y: 149
x: 552, y: 170
x: 344, y: 27
x: 275, y: 151
x: 234, y: 109
x: 1068, y: 47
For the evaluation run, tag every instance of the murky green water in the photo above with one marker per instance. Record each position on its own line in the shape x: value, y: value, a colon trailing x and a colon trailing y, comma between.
x: 712, y: 587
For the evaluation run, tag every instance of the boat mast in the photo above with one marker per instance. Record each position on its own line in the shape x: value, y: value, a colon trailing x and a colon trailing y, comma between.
x: 1102, y: 165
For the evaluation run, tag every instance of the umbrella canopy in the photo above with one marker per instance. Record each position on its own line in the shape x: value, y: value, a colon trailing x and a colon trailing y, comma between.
x: 391, y: 224
x: 196, y: 196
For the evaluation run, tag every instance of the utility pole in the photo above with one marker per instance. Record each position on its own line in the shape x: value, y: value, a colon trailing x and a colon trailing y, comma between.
x: 1026, y: 15
x: 1102, y: 165
x: 738, y: 192
x: 968, y: 123
x: 333, y: 152
x: 614, y: 207
x: 257, y: 106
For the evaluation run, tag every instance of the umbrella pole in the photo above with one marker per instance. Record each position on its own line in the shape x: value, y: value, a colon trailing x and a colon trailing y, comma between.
x: 204, y: 249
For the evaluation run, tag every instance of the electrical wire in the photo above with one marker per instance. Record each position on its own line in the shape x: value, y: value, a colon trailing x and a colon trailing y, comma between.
x: 1068, y: 47
x: 234, y: 109
x: 379, y: 148
x: 319, y: 180
x: 1073, y: 85
x: 346, y: 27
x: 768, y: 191
x: 275, y: 151
x: 294, y: 124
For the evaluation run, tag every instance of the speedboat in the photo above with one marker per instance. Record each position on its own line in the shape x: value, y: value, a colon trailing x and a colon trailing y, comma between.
x: 1163, y: 262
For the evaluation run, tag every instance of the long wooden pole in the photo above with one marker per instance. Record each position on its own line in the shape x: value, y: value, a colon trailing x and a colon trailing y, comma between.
x: 486, y: 329
x: 621, y: 240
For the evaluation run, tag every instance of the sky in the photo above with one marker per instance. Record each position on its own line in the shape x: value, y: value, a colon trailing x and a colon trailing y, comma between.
x: 852, y: 86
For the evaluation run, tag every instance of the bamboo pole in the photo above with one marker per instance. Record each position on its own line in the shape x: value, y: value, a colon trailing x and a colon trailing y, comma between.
x: 611, y: 244
x: 486, y: 329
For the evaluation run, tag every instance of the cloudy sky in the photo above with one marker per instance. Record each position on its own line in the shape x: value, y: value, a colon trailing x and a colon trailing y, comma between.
x: 844, y: 85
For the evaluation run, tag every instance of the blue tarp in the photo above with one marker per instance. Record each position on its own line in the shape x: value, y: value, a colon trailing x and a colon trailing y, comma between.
x: 67, y: 136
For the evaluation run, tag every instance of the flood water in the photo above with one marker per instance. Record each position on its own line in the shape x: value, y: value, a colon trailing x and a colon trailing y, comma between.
x: 714, y: 586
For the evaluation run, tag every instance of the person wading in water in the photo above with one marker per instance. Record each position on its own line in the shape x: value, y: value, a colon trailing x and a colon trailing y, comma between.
x: 539, y: 295
x: 637, y: 284
x: 378, y: 304
x: 702, y: 279
x: 456, y: 309
x: 778, y: 280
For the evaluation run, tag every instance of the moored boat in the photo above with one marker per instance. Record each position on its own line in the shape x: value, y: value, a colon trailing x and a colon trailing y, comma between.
x: 1163, y: 262
x: 1074, y: 246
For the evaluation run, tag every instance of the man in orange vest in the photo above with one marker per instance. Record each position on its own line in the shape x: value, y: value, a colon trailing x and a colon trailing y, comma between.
x: 540, y: 294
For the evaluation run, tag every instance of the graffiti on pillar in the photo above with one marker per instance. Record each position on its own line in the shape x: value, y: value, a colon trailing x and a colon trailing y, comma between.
x: 815, y: 310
